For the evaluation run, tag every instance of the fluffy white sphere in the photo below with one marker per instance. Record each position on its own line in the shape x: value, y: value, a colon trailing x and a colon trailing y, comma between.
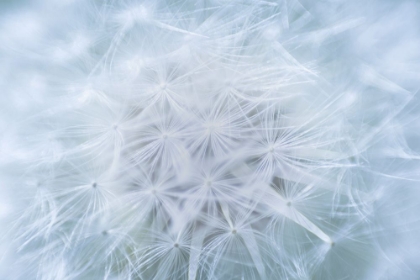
x: 209, y: 139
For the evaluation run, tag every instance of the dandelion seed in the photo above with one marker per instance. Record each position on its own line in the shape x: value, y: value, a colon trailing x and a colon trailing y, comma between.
x: 209, y: 139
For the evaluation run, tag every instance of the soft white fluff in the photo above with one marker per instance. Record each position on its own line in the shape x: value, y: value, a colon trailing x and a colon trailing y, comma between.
x: 209, y: 139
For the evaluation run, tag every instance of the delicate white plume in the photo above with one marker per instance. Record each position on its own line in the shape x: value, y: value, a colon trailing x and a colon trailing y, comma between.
x: 209, y: 139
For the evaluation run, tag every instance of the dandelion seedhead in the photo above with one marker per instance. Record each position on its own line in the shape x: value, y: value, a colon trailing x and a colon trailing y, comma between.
x: 209, y: 139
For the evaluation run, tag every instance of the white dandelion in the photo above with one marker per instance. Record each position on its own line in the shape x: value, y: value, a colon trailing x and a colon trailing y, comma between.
x: 209, y: 139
